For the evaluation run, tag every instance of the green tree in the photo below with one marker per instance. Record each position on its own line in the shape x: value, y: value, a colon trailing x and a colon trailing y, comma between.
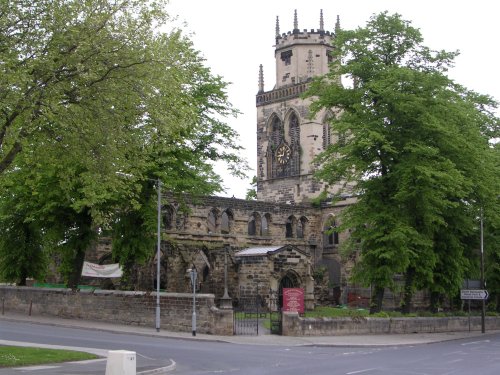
x: 22, y: 254
x: 252, y: 192
x: 416, y: 151
x: 91, y: 91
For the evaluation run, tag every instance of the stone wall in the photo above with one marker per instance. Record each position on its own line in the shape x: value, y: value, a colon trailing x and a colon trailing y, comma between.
x: 294, y: 325
x: 133, y: 308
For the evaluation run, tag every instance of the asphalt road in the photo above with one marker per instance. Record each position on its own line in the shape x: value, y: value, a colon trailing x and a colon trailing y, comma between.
x: 459, y: 357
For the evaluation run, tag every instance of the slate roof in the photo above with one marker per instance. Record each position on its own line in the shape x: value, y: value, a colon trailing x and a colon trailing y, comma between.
x: 257, y: 251
x: 262, y: 251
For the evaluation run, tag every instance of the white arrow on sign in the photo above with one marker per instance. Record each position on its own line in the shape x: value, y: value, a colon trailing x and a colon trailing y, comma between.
x: 474, y: 294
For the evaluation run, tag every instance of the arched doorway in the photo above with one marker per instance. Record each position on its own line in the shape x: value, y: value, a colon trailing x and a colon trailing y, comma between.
x: 290, y: 280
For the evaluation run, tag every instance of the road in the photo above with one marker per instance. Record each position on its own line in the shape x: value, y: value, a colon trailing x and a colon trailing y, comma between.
x: 459, y: 357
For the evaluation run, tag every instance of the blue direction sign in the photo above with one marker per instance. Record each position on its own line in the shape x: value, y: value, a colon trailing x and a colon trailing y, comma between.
x: 474, y: 294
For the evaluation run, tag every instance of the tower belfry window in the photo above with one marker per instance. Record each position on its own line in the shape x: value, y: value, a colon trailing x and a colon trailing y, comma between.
x: 286, y: 57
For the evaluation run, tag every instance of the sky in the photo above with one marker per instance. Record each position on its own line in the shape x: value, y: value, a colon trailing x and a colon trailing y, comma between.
x: 236, y: 36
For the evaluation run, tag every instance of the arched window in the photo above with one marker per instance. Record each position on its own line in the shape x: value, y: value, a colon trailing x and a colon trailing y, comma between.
x: 254, y: 225
x: 226, y: 222
x: 251, y: 227
x: 264, y: 225
x: 301, y: 227
x: 290, y: 227
x: 331, y: 233
x: 212, y: 221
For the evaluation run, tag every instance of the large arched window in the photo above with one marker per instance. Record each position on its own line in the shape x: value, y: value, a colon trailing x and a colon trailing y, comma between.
x: 293, y: 167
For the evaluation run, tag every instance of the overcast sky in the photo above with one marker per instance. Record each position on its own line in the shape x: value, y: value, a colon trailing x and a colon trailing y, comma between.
x: 236, y: 36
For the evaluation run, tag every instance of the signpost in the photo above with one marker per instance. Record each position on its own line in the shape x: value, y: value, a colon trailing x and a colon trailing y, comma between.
x: 475, y: 294
x: 478, y: 294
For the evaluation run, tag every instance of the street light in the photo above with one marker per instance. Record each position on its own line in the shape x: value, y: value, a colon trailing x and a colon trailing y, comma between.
x: 193, y: 275
x: 226, y: 302
x: 158, y: 232
x: 483, y: 307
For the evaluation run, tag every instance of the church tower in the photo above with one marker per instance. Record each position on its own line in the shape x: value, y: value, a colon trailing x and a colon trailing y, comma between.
x: 287, y: 138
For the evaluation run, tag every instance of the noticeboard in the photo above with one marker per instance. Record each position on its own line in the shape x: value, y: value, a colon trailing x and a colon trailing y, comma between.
x: 293, y: 300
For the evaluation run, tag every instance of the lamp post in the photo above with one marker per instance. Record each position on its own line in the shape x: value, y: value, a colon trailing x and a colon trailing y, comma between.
x: 158, y: 254
x: 483, y: 306
x: 226, y: 302
x: 193, y: 275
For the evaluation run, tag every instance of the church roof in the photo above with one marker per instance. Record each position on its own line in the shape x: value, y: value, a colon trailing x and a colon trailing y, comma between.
x: 257, y: 251
x: 261, y: 251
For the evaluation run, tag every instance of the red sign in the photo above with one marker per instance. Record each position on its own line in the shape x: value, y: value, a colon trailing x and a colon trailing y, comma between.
x: 293, y: 300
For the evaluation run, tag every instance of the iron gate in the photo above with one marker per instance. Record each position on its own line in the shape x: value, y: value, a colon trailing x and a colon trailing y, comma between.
x: 275, y: 313
x: 248, y: 314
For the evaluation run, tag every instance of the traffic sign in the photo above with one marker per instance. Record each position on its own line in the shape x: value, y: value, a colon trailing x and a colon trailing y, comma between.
x: 474, y: 294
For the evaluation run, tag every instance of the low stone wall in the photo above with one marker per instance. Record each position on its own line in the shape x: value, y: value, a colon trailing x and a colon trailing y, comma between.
x: 294, y: 325
x: 134, y: 308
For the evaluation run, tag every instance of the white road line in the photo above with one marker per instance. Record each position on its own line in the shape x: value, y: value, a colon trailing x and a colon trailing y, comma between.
x: 35, y: 368
x: 454, y: 361
x: 475, y: 342
x: 360, y: 371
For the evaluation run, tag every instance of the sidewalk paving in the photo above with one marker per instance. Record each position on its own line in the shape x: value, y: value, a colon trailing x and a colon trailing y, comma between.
x: 263, y: 339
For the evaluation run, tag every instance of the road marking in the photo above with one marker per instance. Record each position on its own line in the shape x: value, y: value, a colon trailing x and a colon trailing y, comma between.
x: 454, y: 361
x: 360, y: 371
x: 88, y: 361
x: 35, y: 368
x: 143, y: 356
x: 475, y: 342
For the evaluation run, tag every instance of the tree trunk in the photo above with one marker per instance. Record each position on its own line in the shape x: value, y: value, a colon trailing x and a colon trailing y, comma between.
x: 408, y: 291
x: 435, y: 296
x: 76, y: 272
x: 22, y: 278
x: 377, y: 298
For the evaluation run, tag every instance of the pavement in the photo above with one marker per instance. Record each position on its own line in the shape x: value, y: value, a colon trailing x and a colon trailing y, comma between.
x: 263, y: 339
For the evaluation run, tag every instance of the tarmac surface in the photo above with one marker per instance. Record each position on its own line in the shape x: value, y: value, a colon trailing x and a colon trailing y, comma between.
x: 263, y: 339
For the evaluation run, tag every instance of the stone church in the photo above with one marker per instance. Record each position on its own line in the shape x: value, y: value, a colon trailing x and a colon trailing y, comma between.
x: 280, y: 239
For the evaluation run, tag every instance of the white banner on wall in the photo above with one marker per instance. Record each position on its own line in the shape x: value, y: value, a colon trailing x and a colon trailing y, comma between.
x: 101, y: 270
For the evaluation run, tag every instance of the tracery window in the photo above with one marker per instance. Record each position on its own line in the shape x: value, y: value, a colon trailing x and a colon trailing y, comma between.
x: 283, y: 153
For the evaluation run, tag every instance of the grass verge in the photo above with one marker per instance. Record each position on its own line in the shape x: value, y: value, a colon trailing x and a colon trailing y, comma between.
x: 14, y: 356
